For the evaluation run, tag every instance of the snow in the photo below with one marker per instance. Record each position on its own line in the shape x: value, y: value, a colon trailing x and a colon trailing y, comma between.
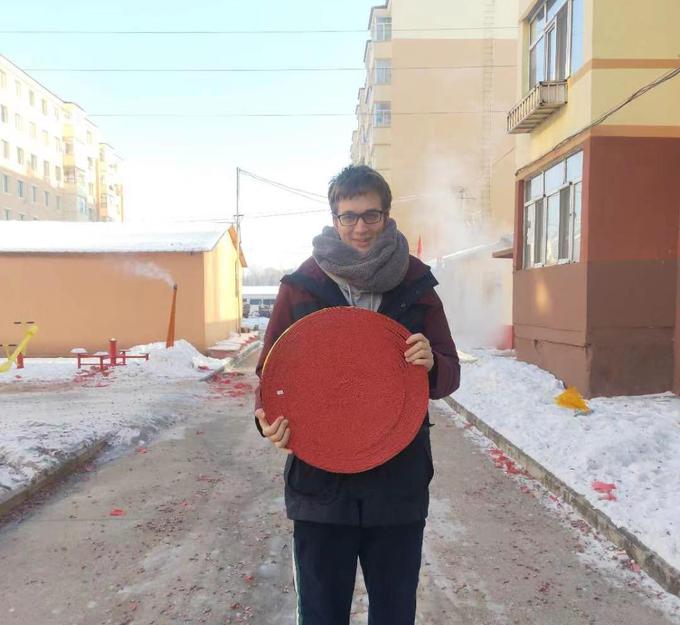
x: 632, y: 442
x: 49, y: 410
x: 59, y: 237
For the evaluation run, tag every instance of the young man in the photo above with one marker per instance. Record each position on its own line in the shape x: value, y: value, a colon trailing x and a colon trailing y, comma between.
x: 378, y: 516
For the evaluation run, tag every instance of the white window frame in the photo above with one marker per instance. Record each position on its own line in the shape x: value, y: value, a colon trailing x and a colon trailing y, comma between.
x: 383, y: 72
x: 382, y: 114
x: 541, y: 10
x: 539, y: 226
x: 382, y: 30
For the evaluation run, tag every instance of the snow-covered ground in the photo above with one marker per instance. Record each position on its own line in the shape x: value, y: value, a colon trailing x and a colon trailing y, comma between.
x: 50, y: 411
x: 631, y: 442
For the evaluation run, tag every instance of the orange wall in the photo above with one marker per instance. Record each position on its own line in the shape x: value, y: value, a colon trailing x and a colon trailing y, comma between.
x: 82, y: 300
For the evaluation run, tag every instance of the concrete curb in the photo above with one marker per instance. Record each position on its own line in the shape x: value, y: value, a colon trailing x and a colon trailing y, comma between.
x: 654, y: 565
x: 230, y: 363
x: 49, y: 476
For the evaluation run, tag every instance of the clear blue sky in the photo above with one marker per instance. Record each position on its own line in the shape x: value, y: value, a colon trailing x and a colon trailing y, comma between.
x: 184, y: 168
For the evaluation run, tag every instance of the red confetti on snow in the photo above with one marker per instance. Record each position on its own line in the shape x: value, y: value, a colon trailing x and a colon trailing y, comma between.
x: 634, y: 566
x: 603, y: 487
x: 525, y: 489
x: 349, y: 409
x: 606, y: 489
x: 142, y: 450
x: 117, y: 512
x: 249, y: 578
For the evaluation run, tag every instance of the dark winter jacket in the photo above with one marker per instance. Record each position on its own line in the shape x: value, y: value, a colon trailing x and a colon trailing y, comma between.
x: 397, y: 491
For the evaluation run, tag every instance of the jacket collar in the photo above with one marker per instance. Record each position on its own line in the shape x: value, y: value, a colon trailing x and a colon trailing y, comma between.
x: 312, y: 279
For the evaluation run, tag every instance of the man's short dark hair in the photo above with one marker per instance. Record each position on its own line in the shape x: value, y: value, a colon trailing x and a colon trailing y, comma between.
x: 356, y: 180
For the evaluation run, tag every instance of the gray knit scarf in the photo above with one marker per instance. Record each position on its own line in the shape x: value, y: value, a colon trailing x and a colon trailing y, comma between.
x: 379, y: 270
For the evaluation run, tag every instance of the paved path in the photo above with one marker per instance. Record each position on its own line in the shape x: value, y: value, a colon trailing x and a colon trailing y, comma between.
x: 204, y: 540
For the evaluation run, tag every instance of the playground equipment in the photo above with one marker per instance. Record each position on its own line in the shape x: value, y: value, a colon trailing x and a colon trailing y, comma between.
x: 20, y: 350
x: 111, y: 358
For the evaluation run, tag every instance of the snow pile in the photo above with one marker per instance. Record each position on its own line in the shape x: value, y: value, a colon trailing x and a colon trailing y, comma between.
x: 631, y: 442
x: 42, y: 425
x: 235, y: 341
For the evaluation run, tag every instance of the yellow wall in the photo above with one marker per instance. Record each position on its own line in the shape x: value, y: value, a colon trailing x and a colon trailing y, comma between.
x: 221, y: 302
x: 463, y: 18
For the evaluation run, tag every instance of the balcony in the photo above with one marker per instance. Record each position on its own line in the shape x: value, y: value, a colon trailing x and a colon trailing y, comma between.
x: 541, y: 102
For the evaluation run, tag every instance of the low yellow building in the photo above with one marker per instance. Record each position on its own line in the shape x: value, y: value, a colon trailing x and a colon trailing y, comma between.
x: 84, y: 283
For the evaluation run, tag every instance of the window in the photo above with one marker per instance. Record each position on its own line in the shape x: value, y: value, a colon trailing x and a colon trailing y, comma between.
x: 3, y: 113
x: 383, y: 71
x: 46, y: 169
x: 552, y: 214
x: 68, y: 146
x: 90, y: 189
x: 43, y: 106
x: 89, y: 137
x: 3, y: 79
x: 55, y: 110
x: 8, y: 214
x: 5, y: 183
x: 34, y: 193
x: 32, y: 129
x: 18, y: 121
x: 383, y: 28
x: 20, y: 156
x: 45, y: 138
x: 47, y: 198
x: 34, y: 162
x: 382, y: 115
x: 20, y: 188
x: 90, y: 163
x: 82, y: 205
x: 5, y: 149
x: 57, y: 173
x: 555, y: 30
x: 31, y: 97
x: 58, y: 198
x: 17, y: 88
x: 22, y: 216
x: 57, y: 144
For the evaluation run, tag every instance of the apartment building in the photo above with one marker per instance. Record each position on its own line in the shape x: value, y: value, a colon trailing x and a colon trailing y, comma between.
x: 50, y: 156
x: 597, y: 193
x: 440, y: 78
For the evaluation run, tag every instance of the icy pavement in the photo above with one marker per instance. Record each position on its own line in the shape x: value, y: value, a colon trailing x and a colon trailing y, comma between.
x: 631, y: 442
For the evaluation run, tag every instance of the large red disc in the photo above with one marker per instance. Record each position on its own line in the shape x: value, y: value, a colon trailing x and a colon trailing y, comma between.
x: 340, y: 378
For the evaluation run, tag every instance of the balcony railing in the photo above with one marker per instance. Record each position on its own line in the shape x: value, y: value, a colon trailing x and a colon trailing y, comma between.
x: 541, y: 102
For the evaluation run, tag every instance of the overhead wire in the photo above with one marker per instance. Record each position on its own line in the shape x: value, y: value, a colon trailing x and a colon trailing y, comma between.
x: 292, y: 31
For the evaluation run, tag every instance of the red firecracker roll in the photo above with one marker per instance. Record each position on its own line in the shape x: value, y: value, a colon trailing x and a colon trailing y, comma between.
x: 340, y: 378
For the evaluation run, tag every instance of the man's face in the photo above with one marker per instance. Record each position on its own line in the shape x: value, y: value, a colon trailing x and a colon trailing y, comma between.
x: 361, y: 236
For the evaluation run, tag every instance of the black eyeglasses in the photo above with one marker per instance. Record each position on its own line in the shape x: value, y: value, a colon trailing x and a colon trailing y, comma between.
x: 350, y: 219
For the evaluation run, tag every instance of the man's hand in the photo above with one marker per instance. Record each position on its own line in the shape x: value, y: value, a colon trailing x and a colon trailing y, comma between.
x: 278, y: 432
x: 420, y: 352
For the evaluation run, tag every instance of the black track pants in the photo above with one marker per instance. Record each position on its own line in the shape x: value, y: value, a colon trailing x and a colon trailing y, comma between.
x: 325, y: 559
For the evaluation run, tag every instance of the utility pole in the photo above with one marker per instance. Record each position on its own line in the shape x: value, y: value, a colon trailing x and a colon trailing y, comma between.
x: 237, y: 284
